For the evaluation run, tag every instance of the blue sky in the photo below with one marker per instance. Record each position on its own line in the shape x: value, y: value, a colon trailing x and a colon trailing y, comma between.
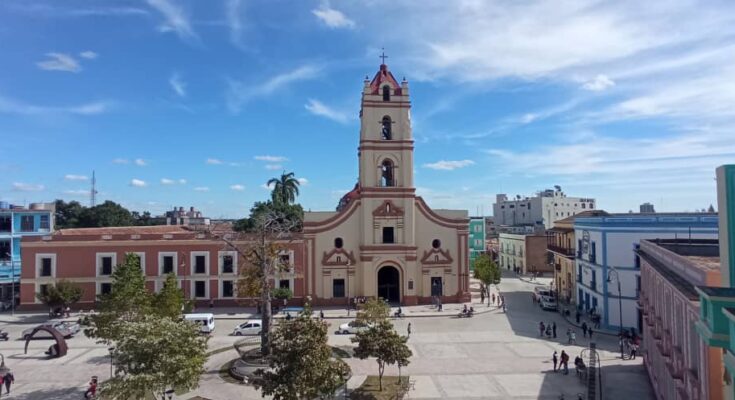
x: 179, y: 103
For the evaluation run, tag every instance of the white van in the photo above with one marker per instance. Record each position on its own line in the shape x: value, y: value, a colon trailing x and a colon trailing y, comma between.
x: 204, y: 320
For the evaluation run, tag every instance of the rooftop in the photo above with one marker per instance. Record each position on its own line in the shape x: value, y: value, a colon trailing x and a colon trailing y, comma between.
x: 122, y: 230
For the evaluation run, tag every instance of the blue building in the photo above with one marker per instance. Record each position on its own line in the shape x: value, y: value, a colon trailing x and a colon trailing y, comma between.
x: 16, y: 222
x: 606, y: 259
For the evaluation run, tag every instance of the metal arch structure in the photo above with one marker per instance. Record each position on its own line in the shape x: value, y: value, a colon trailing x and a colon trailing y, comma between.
x: 58, y: 337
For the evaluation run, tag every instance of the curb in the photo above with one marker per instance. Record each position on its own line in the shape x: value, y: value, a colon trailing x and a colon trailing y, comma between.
x: 427, y: 315
x: 597, y: 331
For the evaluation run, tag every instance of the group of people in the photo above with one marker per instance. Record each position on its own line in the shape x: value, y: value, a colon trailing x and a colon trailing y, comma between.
x: 547, y: 329
x: 492, y: 298
x: 563, y: 363
x: 467, y: 312
x: 630, y: 343
x: 586, y: 330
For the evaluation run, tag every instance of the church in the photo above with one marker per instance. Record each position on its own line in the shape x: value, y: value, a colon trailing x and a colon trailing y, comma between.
x: 383, y: 240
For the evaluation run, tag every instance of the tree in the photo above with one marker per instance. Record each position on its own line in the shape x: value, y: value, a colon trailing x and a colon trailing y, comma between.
x: 153, y: 354
x: 487, y: 271
x: 374, y: 310
x: 63, y: 294
x: 285, y: 188
x: 282, y: 293
x: 108, y: 213
x: 291, y: 212
x: 170, y: 301
x: 301, y: 361
x: 382, y: 341
x: 67, y: 214
x: 128, y: 300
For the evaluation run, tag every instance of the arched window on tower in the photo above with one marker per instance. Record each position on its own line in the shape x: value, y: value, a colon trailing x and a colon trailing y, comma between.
x: 386, y: 133
x: 386, y: 93
x: 386, y: 177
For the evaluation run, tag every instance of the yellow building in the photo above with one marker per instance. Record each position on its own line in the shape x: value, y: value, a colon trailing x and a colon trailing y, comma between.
x: 384, y: 240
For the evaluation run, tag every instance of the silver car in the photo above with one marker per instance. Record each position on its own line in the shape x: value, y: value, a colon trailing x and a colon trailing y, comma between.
x: 67, y: 329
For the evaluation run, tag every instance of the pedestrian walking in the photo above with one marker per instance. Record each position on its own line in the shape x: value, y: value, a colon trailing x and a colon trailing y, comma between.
x: 493, y: 295
x: 565, y: 362
x: 503, y: 307
x: 633, y: 351
x: 584, y: 329
x: 589, y: 332
x: 321, y: 314
x: 573, y: 338
x: 8, y: 380
x: 569, y: 335
x: 555, y: 360
x: 541, y: 328
x: 577, y: 316
x: 553, y: 329
x: 409, y: 329
x: 482, y: 296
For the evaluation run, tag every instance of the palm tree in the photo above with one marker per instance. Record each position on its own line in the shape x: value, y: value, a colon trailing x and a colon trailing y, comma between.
x: 285, y: 188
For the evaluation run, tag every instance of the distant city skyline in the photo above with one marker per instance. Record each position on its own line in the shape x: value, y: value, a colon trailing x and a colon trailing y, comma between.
x: 182, y: 103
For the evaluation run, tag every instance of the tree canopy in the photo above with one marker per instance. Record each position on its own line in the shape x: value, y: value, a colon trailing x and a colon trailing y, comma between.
x: 486, y: 270
x: 301, y: 361
x: 62, y: 294
x: 292, y: 212
x: 382, y: 342
x: 75, y: 215
x: 372, y: 311
x: 285, y: 188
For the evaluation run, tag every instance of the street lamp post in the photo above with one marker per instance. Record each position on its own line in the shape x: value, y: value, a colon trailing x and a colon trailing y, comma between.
x: 111, y: 349
x: 620, y: 307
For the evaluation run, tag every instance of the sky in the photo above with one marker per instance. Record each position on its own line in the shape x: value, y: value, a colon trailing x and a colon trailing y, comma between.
x: 193, y: 103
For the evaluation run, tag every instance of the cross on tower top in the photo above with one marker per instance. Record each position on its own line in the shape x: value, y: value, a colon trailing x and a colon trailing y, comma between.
x: 383, y: 56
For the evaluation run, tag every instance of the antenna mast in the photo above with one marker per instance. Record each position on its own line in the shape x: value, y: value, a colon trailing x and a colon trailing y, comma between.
x: 93, y: 192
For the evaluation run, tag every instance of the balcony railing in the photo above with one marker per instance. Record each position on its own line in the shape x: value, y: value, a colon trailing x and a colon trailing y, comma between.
x: 562, y: 250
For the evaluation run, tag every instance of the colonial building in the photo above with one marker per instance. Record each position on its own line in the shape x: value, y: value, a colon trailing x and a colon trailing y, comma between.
x: 384, y: 240
x: 523, y: 253
x: 477, y: 239
x: 679, y: 363
x: 544, y: 209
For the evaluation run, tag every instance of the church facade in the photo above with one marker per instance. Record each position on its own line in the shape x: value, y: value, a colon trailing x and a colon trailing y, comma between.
x: 383, y: 240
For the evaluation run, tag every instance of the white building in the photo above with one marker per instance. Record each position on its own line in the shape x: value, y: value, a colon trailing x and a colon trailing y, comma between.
x: 606, y: 250
x: 545, y: 208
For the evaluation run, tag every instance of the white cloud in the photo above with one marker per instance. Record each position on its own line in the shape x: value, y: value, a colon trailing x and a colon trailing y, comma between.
x: 271, y: 158
x: 234, y: 164
x: 214, y: 161
x: 175, y: 19
x: 333, y: 18
x: 234, y: 15
x: 89, y: 55
x: 449, y: 165
x: 273, y: 167
x: 303, y: 181
x: 182, y: 181
x: 201, y: 189
x: 70, y: 177
x: 140, y: 162
x: 237, y: 188
x: 60, y: 62
x: 166, y: 181
x: 137, y: 183
x: 316, y: 107
x: 120, y: 161
x: 27, y: 187
x: 600, y: 83
x: 238, y: 92
x: 12, y: 106
x: 177, y: 84
x: 79, y: 192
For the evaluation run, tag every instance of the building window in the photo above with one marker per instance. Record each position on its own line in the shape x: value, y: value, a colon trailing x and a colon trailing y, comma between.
x: 583, y: 205
x: 228, y: 289
x: 45, y: 222
x: 388, y: 234
x: 338, y: 243
x: 338, y: 288
x: 386, y: 174
x: 5, y: 223
x: 529, y: 206
x: 26, y: 223
x: 285, y: 260
x: 168, y: 264
x: 592, y: 206
x: 5, y: 251
x: 284, y: 284
x: 200, y: 266
x: 105, y: 288
x: 43, y: 289
x: 46, y: 269
x: 200, y: 289
x: 385, y: 132
x: 106, y: 267
x: 436, y: 243
x: 227, y: 265
x: 386, y: 93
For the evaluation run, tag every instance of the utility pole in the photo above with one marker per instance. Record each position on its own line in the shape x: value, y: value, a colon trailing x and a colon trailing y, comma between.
x: 93, y: 192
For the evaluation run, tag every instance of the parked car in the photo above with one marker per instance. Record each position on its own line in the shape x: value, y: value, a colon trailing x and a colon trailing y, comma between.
x: 351, y: 327
x: 67, y: 329
x: 251, y: 327
x: 548, y: 303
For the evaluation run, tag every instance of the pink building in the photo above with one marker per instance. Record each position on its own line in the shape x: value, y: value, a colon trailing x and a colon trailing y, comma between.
x: 680, y: 365
x: 207, y: 269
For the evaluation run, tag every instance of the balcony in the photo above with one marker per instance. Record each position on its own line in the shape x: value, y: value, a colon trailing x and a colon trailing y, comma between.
x: 557, y: 267
x: 567, y: 252
x: 593, y: 258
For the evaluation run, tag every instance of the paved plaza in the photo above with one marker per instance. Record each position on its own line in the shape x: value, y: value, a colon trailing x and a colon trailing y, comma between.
x: 494, y: 355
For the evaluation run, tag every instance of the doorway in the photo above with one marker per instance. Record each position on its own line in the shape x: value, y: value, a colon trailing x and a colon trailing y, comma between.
x: 437, y: 287
x: 389, y: 284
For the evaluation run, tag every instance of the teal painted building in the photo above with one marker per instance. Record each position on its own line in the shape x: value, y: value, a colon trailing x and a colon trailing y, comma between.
x: 716, y: 326
x: 476, y: 239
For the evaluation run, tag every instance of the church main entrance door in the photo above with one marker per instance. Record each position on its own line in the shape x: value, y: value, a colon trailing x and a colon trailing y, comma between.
x: 389, y: 284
